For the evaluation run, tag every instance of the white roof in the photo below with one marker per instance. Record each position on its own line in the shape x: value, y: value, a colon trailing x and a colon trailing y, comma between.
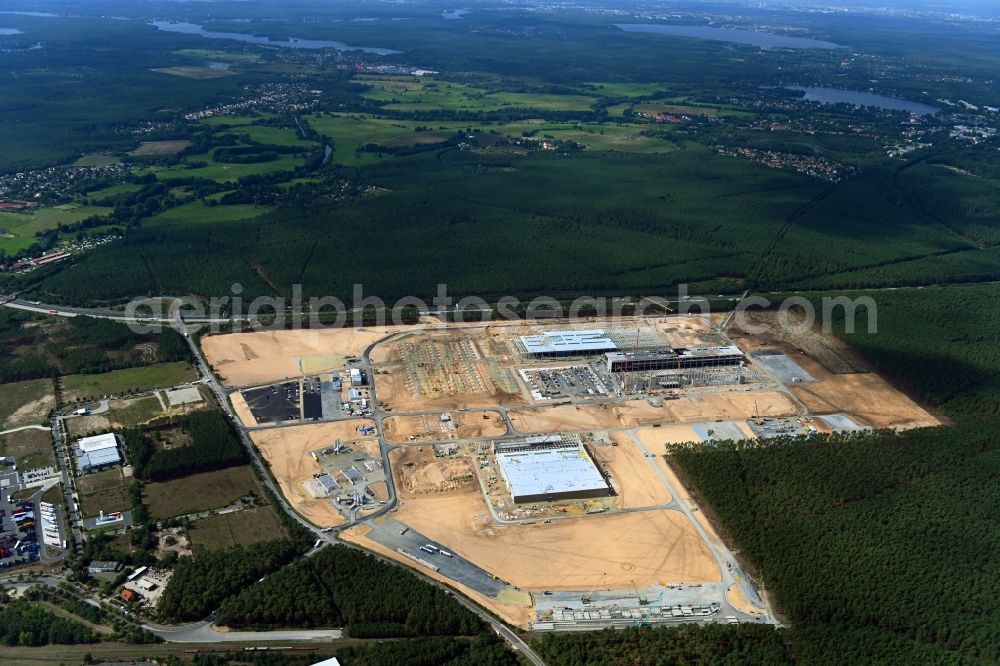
x: 553, y: 342
x: 100, y: 457
x: 98, y: 442
x: 550, y: 470
x: 332, y: 661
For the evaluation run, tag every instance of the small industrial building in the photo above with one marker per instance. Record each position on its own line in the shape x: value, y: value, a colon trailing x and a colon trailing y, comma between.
x: 98, y: 452
x: 673, y: 359
x: 560, y: 344
x: 101, y: 566
x: 549, y: 468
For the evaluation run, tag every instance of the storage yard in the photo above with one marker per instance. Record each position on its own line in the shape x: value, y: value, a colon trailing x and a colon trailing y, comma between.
x: 526, y: 461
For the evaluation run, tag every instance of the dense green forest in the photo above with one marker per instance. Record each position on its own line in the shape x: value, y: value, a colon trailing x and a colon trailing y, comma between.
x: 200, y: 583
x: 33, y: 346
x: 880, y: 547
x: 709, y: 644
x: 340, y: 586
x: 24, y: 624
x: 654, y: 222
x: 484, y: 649
x: 213, y: 446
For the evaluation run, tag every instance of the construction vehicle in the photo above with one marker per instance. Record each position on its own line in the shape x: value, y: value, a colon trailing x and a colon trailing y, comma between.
x: 756, y: 412
x: 585, y: 599
x: 643, y: 601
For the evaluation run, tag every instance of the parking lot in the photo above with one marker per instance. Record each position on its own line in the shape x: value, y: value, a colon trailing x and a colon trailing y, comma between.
x: 275, y: 403
x: 19, y: 522
x: 397, y: 536
x: 572, y: 381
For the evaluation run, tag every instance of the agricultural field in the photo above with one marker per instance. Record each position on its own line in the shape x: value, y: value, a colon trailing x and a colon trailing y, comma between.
x: 106, y: 491
x: 200, y: 492
x: 196, y: 212
x: 125, y: 414
x: 30, y: 448
x: 239, y: 528
x: 193, y: 72
x: 270, y: 135
x: 221, y: 172
x: 147, y: 148
x: 116, y: 382
x: 26, y: 403
x: 114, y: 191
x: 17, y: 230
x: 425, y: 94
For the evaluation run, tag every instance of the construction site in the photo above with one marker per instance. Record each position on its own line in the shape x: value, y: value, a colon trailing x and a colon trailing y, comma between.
x: 525, y: 464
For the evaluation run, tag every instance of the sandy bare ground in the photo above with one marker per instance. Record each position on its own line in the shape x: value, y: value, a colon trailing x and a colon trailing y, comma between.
x: 287, y: 452
x: 686, y: 331
x: 241, y: 359
x: 735, y: 596
x: 242, y: 410
x: 427, y: 428
x: 867, y: 396
x: 689, y: 409
x: 520, y: 616
x: 656, y: 546
x: 418, y: 472
x: 637, y: 483
x: 32, y: 412
x: 730, y: 405
x: 654, y: 439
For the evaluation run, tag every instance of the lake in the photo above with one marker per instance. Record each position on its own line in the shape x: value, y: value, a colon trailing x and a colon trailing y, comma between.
x: 291, y: 43
x: 45, y: 14
x: 859, y: 98
x: 764, y: 40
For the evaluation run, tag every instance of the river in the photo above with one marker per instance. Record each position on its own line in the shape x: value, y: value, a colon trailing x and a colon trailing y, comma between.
x: 290, y: 43
x: 764, y: 40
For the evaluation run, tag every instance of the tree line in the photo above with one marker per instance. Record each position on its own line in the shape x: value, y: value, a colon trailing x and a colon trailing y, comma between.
x: 199, y: 584
x: 213, y: 446
x: 26, y: 625
x: 877, y: 547
x: 340, y: 586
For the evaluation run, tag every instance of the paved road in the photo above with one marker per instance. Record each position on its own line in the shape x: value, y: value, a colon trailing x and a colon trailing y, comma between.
x: 202, y: 632
x: 27, y: 427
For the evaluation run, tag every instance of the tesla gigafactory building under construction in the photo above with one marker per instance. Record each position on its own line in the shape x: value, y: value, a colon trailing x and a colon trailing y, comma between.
x: 549, y: 469
x: 673, y: 359
x: 559, y: 344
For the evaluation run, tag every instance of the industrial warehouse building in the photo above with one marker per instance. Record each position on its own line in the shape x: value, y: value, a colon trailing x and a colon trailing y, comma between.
x: 548, y: 469
x: 673, y: 359
x: 96, y: 453
x: 558, y: 344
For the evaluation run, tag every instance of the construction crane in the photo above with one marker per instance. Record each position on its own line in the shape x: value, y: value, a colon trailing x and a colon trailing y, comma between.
x: 635, y: 592
x: 756, y: 413
x: 587, y: 597
x: 656, y: 604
